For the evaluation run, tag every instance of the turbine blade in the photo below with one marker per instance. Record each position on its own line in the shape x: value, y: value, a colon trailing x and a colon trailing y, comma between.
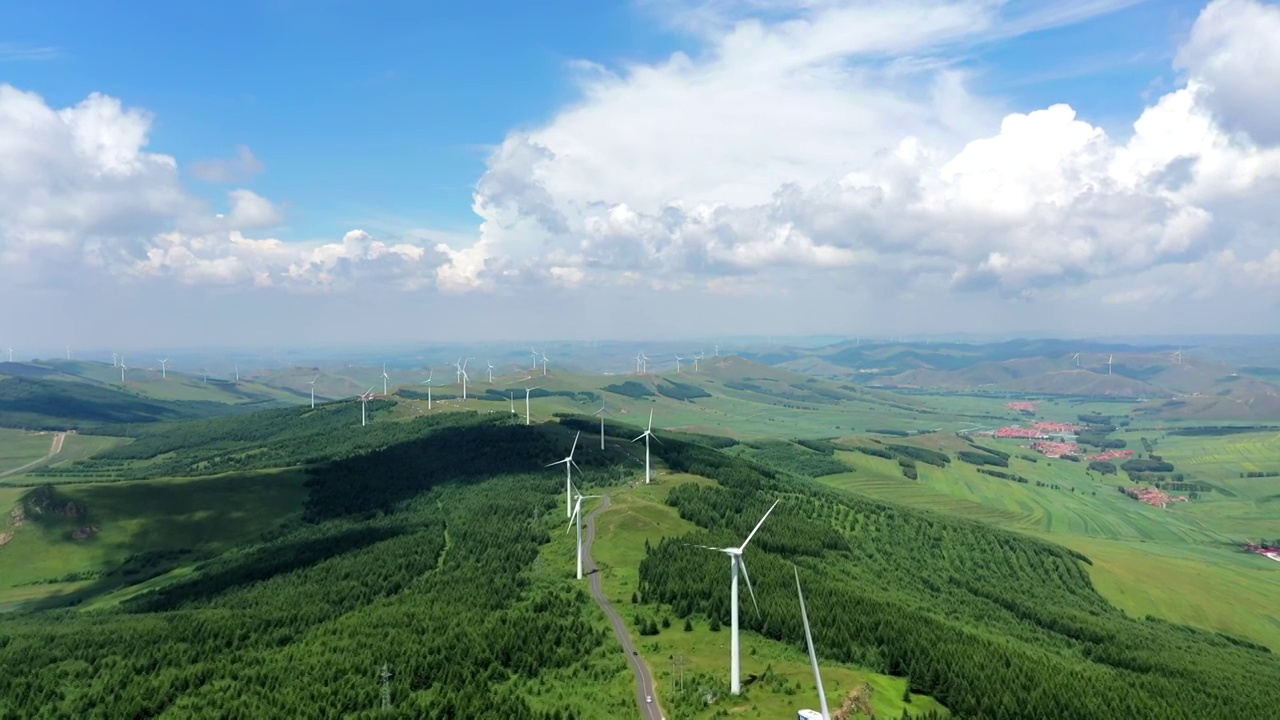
x: 766, y: 517
x: 575, y: 465
x: 742, y: 568
x: 639, y: 437
x: 575, y: 443
x: 650, y: 428
x: 572, y: 518
x: 808, y: 639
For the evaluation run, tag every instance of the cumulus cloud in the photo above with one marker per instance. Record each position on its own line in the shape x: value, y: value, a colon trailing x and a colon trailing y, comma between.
x: 79, y: 190
x: 238, y: 169
x: 791, y: 144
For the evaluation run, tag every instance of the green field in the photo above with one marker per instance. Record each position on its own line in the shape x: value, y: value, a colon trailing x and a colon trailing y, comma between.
x: 181, y: 520
x: 1183, y: 563
x: 21, y: 447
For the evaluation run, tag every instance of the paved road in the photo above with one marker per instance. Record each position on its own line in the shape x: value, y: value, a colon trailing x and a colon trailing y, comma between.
x: 54, y: 448
x: 644, y: 679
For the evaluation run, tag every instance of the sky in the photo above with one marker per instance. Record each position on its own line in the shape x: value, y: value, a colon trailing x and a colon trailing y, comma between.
x: 283, y: 172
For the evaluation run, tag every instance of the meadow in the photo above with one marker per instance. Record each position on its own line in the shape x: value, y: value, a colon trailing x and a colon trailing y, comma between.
x: 22, y: 447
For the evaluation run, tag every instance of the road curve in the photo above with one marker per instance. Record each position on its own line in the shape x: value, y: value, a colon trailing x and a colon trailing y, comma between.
x: 644, y: 679
x: 54, y: 448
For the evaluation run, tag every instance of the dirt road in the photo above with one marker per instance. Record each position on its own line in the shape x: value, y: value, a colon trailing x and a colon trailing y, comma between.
x: 644, y: 679
x: 54, y: 448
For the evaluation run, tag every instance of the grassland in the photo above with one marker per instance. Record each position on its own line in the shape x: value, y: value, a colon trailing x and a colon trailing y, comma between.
x: 699, y: 657
x: 160, y: 524
x: 21, y: 447
x: 1182, y: 564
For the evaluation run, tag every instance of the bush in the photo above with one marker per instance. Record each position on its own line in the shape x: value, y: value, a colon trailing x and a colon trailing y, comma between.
x: 631, y: 389
x: 977, y: 458
x: 1102, y: 466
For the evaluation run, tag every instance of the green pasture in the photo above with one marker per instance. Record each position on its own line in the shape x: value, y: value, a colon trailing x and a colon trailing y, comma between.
x: 641, y: 514
x: 21, y: 447
x: 198, y: 516
x: 74, y: 447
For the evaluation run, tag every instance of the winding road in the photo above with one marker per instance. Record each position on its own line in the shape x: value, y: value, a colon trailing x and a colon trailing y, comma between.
x: 55, y: 447
x: 644, y: 678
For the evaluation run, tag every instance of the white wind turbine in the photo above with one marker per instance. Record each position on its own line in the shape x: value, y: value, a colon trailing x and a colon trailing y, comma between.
x: 601, y: 412
x: 162, y: 368
x: 457, y: 371
x: 430, y: 374
x: 384, y: 379
x: 206, y: 375
x: 544, y: 364
x: 1076, y: 357
x: 813, y: 657
x: 490, y: 364
x: 237, y: 373
x: 1109, y: 359
x: 696, y: 358
x: 738, y: 567
x: 648, y: 433
x: 68, y: 352
x: 122, y: 369
x: 637, y: 363
x: 678, y: 359
x: 465, y: 377
x: 526, y: 402
x: 313, y: 391
x: 364, y: 401
x: 535, y: 359
x: 513, y: 403
x: 1177, y: 357
x: 114, y: 362
x: 717, y: 351
x: 577, y: 515
x: 569, y: 464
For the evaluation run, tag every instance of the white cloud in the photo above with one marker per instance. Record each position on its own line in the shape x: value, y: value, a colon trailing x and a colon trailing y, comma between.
x: 238, y: 169
x: 790, y: 144
x: 78, y: 190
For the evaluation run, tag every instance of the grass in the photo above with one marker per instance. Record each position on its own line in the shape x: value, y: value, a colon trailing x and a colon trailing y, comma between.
x: 1183, y: 564
x: 20, y: 447
x: 199, y: 515
x: 74, y: 447
x: 641, y: 514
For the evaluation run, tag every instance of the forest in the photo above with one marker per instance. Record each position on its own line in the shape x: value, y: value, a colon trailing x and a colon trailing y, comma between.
x: 992, y: 624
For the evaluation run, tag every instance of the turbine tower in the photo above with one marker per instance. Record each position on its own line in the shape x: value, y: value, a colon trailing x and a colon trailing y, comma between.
x: 544, y: 364
x: 114, y: 362
x: 738, y: 567
x: 163, y: 374
x: 364, y: 401
x: 717, y: 351
x: 465, y: 377
x: 122, y: 368
x: 512, y: 395
x: 526, y: 402
x: 678, y: 359
x: 535, y: 359
x: 1177, y: 357
x: 206, y: 375
x: 384, y: 379
x: 577, y: 515
x: 313, y: 391
x: 648, y: 433
x: 813, y: 657
x: 1076, y: 357
x: 430, y: 374
x: 490, y: 364
x: 569, y: 464
x: 601, y: 412
x: 696, y: 358
x: 1109, y: 359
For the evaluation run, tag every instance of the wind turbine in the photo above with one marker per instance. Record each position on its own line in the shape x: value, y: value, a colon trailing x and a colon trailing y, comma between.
x: 465, y: 377
x: 601, y: 412
x: 813, y: 657
x: 490, y: 364
x: 206, y: 375
x: 384, y: 379
x: 535, y: 358
x: 544, y: 364
x: 717, y: 351
x: 1076, y: 357
x: 313, y: 391
x: 364, y: 401
x: 68, y: 352
x: 430, y: 374
x: 526, y: 402
x: 637, y: 363
x: 1109, y: 359
x: 1177, y: 357
x: 696, y: 358
x: 569, y: 464
x: 678, y: 359
x: 162, y: 368
x: 577, y: 515
x: 648, y: 433
x: 738, y: 567
x: 513, y: 403
x: 237, y: 373
x: 114, y: 363
x: 122, y: 369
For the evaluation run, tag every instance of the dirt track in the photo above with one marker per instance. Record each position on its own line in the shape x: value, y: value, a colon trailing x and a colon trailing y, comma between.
x: 54, y: 448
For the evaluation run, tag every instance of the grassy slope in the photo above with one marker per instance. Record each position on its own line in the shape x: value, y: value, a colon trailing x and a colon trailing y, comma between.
x: 205, y: 515
x: 640, y: 515
x: 19, y: 447
x: 1183, y: 564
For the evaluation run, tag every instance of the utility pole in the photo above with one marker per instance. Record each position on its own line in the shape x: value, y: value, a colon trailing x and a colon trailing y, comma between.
x: 386, y: 687
x: 679, y: 665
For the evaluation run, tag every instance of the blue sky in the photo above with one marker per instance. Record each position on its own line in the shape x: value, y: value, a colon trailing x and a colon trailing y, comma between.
x: 367, y: 111
x: 716, y: 152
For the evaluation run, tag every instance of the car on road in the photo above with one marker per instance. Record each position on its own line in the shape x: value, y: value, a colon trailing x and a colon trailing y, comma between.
x: 648, y: 698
